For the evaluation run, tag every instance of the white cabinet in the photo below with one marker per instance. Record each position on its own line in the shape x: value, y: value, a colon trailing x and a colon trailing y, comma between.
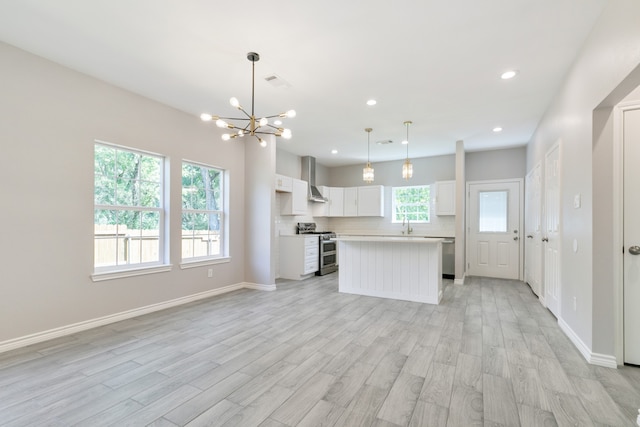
x: 350, y: 207
x: 371, y: 200
x: 284, y: 183
x: 336, y: 201
x: 320, y: 209
x: 299, y: 256
x: 295, y: 203
x: 445, y: 198
x: 364, y: 201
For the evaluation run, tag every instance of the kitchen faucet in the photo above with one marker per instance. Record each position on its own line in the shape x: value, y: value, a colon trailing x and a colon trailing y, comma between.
x: 409, y: 229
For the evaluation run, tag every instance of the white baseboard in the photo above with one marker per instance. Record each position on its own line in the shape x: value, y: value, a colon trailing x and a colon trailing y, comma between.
x: 459, y: 281
x: 112, y: 318
x: 604, y: 360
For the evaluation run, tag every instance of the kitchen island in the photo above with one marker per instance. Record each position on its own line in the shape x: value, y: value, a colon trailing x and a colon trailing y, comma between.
x: 397, y: 267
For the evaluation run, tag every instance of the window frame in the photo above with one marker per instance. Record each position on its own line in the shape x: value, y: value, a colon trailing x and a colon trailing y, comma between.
x: 222, y: 256
x: 106, y: 272
x: 394, y: 205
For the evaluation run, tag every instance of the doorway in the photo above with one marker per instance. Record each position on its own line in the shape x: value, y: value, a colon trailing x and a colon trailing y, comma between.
x: 631, y: 234
x: 551, y: 234
x: 533, y: 231
x: 494, y: 246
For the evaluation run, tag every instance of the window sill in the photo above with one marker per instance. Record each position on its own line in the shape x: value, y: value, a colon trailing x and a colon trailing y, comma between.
x: 202, y: 262
x: 111, y: 275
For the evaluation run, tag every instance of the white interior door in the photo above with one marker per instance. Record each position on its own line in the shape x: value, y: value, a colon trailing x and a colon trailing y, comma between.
x: 533, y: 230
x: 551, y: 234
x: 494, y: 229
x: 631, y: 137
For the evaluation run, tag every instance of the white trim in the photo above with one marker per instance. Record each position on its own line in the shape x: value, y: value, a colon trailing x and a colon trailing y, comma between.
x: 140, y: 271
x: 202, y: 262
x: 460, y: 281
x: 38, y: 337
x: 605, y: 360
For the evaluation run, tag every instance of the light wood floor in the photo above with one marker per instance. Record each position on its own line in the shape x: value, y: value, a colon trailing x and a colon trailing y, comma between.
x: 306, y: 355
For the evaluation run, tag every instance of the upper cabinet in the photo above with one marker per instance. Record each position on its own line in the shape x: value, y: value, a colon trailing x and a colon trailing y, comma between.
x: 295, y: 202
x: 284, y: 183
x: 364, y: 201
x: 334, y: 205
x: 445, y: 198
x: 371, y: 200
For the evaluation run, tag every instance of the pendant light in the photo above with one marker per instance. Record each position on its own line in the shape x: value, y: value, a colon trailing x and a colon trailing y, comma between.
x: 367, y: 171
x: 407, y: 167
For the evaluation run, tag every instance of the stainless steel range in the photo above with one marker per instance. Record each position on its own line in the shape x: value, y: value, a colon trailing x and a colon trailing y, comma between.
x: 328, y: 248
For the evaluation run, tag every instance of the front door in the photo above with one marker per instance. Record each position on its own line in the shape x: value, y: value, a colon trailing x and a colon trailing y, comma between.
x: 631, y: 135
x: 551, y: 235
x: 494, y: 244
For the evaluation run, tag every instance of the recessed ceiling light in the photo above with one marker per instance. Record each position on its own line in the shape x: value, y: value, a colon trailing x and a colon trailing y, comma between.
x: 497, y: 129
x: 277, y: 122
x: 371, y: 102
x: 334, y: 151
x: 508, y: 74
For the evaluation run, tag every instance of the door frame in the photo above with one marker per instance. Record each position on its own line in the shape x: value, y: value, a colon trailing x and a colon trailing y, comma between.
x: 618, y: 223
x: 520, y: 182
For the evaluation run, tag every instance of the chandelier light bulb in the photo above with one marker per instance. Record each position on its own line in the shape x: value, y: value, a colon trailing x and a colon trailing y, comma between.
x: 264, y: 121
x: 263, y: 143
x: 241, y: 133
x: 206, y: 117
x: 226, y: 137
x: 286, y: 133
x: 234, y: 102
x: 221, y: 123
x: 290, y: 114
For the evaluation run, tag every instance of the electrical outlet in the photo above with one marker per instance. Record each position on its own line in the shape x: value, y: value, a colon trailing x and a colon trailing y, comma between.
x: 575, y: 303
x: 210, y: 272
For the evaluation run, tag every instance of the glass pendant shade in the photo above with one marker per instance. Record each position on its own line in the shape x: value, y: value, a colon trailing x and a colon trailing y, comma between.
x: 407, y: 170
x: 367, y: 171
x: 407, y: 167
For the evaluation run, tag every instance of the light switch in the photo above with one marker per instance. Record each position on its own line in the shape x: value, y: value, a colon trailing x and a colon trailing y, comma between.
x: 577, y: 201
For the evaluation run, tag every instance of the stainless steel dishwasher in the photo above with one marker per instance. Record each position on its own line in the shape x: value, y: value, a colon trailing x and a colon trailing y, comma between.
x: 449, y: 258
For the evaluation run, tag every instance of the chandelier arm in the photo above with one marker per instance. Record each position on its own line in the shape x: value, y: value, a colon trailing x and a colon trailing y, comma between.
x: 233, y: 118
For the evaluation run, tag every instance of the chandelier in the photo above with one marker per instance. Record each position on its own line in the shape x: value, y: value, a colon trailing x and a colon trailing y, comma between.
x: 250, y: 125
x: 407, y: 167
x: 367, y: 171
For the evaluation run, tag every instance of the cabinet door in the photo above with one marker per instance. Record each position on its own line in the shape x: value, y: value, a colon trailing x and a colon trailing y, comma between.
x: 445, y: 198
x: 351, y: 201
x: 336, y: 201
x: 371, y: 200
x: 300, y: 197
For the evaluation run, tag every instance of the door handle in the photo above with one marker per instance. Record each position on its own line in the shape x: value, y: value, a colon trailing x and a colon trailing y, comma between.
x: 634, y: 250
x: 529, y: 236
x: 516, y: 238
x: 545, y: 239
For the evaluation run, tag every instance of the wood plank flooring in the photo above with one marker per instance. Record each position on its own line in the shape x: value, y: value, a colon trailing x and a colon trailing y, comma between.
x: 305, y: 355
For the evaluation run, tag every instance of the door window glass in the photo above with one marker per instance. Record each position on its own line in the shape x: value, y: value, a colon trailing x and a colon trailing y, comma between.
x: 492, y: 211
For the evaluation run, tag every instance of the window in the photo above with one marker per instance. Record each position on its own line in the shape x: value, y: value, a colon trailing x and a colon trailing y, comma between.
x: 411, y: 203
x: 202, y: 212
x: 492, y: 211
x: 128, y: 209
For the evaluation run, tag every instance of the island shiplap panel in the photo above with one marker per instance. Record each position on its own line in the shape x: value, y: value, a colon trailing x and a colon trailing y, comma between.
x: 403, y: 270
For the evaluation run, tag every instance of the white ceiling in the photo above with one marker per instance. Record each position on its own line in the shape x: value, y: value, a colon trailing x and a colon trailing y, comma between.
x: 436, y: 63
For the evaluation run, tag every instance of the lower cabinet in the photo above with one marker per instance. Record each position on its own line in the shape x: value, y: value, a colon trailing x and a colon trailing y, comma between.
x: 299, y: 256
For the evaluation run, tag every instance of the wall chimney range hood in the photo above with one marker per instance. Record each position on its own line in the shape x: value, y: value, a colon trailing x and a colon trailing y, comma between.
x: 308, y: 174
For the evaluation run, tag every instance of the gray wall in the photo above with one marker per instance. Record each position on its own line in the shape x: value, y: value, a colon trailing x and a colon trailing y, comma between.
x: 610, y: 54
x: 496, y: 164
x: 50, y: 119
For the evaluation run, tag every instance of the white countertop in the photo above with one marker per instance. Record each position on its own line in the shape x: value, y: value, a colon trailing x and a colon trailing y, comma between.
x: 389, y: 238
